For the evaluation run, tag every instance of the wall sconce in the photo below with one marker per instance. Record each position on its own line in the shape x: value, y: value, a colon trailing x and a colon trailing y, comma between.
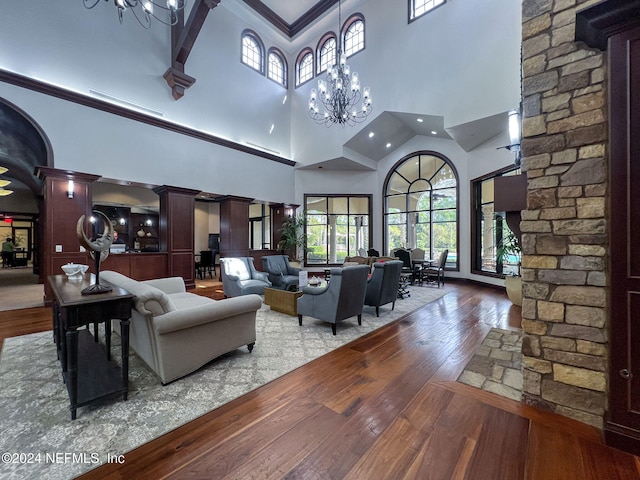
x: 70, y: 189
x: 515, y: 135
x: 123, y: 221
x: 148, y: 222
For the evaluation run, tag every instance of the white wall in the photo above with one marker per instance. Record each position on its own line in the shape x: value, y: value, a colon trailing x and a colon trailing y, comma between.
x: 461, y: 61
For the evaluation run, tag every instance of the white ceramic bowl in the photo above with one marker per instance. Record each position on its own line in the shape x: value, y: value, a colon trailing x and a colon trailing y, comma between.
x: 74, y: 269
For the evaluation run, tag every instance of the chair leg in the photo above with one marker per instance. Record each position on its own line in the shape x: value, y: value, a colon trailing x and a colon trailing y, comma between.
x: 377, y: 311
x: 333, y: 328
x: 300, y: 320
x: 360, y: 319
x: 250, y: 346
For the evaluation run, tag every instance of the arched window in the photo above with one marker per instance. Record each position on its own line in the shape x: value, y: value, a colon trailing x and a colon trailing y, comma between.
x: 417, y: 8
x: 327, y: 51
x: 421, y: 206
x: 304, y: 67
x: 252, y: 51
x: 353, y: 34
x: 277, y: 67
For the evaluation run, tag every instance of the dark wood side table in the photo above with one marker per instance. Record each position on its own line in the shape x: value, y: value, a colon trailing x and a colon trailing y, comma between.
x: 86, y: 367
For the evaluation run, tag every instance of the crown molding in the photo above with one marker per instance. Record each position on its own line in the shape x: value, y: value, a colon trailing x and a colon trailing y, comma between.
x: 91, y: 102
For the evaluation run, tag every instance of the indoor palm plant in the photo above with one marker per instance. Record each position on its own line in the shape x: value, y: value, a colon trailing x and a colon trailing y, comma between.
x: 293, y: 239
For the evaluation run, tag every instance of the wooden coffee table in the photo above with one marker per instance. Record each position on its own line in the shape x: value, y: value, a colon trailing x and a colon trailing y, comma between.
x: 283, y: 301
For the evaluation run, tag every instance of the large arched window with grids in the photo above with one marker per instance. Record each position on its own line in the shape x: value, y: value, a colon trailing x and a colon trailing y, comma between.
x: 421, y: 206
x: 353, y: 34
x: 327, y: 52
x: 277, y: 67
x: 252, y: 51
x: 304, y: 67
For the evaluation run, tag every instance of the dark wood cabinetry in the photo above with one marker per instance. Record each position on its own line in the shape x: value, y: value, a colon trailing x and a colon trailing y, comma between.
x: 623, y: 426
x: 234, y: 226
x: 614, y: 25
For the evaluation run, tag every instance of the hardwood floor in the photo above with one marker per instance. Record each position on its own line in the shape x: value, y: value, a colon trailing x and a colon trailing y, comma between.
x: 386, y: 407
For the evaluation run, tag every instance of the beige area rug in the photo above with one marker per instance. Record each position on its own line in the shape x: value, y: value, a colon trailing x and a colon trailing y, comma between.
x: 497, y: 364
x: 34, y: 405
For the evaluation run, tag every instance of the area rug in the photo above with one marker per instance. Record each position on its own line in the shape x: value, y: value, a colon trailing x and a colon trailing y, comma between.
x: 42, y: 441
x: 496, y: 366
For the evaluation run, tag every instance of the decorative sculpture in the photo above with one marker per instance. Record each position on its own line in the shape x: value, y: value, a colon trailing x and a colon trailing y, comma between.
x: 98, y: 249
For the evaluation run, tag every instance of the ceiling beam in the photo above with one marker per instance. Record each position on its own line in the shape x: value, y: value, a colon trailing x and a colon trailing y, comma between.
x: 183, y: 38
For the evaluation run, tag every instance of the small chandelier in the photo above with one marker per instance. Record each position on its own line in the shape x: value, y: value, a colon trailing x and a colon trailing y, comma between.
x: 143, y: 10
x: 339, y: 95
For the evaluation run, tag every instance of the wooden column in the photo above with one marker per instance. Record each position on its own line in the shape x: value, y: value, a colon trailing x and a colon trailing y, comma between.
x: 60, y: 244
x: 234, y: 226
x: 278, y: 213
x: 176, y: 227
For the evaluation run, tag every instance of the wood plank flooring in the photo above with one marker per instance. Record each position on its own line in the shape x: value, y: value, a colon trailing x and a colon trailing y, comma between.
x: 384, y: 407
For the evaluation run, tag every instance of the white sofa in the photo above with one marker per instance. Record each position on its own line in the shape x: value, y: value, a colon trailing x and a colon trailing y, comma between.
x: 176, y: 332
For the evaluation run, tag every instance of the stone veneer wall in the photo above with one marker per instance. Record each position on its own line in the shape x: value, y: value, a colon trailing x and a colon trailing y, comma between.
x: 564, y: 266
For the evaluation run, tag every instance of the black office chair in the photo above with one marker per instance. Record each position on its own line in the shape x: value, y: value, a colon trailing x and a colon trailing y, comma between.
x: 206, y: 264
x: 406, y: 274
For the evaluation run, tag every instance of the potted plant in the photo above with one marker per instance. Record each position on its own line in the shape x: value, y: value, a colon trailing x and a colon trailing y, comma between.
x: 508, y: 251
x: 293, y: 239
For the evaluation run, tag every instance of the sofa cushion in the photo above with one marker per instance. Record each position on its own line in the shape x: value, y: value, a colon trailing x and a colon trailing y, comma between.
x: 188, y: 300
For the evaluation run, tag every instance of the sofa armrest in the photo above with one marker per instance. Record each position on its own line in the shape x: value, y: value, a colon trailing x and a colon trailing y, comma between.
x: 201, y: 314
x: 168, y: 285
x: 261, y: 276
x: 235, y: 278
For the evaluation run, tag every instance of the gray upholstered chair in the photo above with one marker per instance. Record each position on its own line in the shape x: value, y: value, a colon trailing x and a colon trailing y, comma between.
x: 280, y: 271
x: 240, y: 277
x: 343, y: 297
x: 382, y: 287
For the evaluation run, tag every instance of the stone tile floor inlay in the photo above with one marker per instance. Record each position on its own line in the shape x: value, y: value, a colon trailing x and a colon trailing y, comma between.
x: 497, y: 364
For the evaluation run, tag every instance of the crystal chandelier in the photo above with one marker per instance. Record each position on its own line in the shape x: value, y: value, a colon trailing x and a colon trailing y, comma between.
x: 143, y: 10
x: 338, y: 99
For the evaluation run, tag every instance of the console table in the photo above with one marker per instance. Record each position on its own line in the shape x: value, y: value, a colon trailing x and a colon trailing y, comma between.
x: 86, y: 367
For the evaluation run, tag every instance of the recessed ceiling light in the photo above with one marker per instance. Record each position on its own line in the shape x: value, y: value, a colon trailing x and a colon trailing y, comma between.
x: 419, y: 120
x: 371, y: 134
x: 388, y: 145
x: 433, y: 132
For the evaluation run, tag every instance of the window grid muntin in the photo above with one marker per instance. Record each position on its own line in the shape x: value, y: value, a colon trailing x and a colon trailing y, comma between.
x: 319, y: 223
x: 304, y: 68
x: 277, y: 70
x: 417, y: 8
x: 327, y: 54
x: 354, y: 37
x: 252, y: 52
x: 391, y: 217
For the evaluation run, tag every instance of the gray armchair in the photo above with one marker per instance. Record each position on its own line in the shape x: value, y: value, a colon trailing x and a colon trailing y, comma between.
x: 240, y: 277
x: 280, y: 271
x: 343, y: 297
x: 382, y: 287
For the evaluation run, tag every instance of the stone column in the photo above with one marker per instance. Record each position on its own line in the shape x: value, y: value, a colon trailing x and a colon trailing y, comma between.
x: 564, y: 311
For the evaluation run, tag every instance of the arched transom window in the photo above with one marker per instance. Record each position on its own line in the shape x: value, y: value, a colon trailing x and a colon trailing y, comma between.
x: 252, y: 51
x: 421, y: 206
x: 304, y: 67
x: 277, y: 67
x: 354, y: 35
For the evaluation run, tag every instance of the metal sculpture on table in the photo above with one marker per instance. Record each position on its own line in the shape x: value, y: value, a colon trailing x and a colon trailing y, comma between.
x: 98, y: 249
